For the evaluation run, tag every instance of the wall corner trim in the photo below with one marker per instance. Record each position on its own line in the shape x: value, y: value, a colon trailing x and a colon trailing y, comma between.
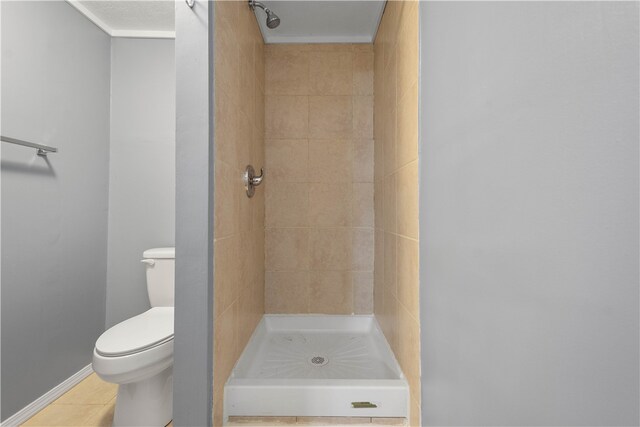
x: 40, y: 403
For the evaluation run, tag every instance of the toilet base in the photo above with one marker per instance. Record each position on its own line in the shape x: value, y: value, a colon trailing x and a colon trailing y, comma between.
x: 146, y: 403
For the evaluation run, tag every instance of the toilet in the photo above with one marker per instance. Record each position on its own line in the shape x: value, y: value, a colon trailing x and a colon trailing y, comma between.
x: 137, y: 354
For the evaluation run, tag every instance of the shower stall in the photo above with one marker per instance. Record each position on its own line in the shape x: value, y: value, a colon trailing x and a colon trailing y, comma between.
x: 315, y: 287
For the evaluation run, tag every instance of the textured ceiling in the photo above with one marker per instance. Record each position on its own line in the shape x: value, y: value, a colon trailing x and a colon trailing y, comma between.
x: 150, y: 15
x: 310, y: 21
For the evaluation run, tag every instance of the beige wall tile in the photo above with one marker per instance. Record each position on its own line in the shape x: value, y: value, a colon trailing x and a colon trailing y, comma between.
x: 329, y: 249
x: 362, y: 245
x: 415, y: 416
x: 407, y: 49
x: 388, y: 318
x: 407, y: 200
x: 389, y: 142
x: 363, y: 156
x: 247, y: 77
x: 228, y: 188
x: 389, y: 203
x: 330, y: 117
x: 286, y: 291
x: 331, y: 292
x: 329, y: 204
x: 378, y: 202
x: 363, y: 117
x: 378, y: 268
x: 390, y: 248
x: 390, y: 82
x: 286, y: 116
x: 330, y: 47
x: 226, y: 331
x: 287, y: 204
x: 363, y: 72
x: 363, y: 47
x: 287, y: 73
x: 363, y: 292
x: 287, y: 160
x: 330, y: 72
x: 226, y: 272
x: 227, y: 66
x: 286, y: 249
x: 226, y: 128
x: 244, y: 141
x: 238, y: 220
x: 330, y: 160
x: 407, y: 129
x: 407, y: 274
x: 362, y: 212
x: 396, y: 181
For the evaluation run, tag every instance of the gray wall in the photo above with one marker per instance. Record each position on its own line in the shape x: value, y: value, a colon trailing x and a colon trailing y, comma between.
x: 529, y: 213
x: 141, y: 168
x: 193, y: 347
x: 55, y: 90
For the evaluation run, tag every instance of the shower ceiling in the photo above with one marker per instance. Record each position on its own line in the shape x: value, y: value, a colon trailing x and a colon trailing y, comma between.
x: 310, y: 21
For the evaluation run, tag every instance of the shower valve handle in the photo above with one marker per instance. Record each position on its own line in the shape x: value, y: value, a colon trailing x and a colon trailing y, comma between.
x: 257, y: 180
x: 251, y: 180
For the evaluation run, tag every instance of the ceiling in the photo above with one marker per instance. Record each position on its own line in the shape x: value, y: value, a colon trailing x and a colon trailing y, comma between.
x: 302, y: 21
x: 312, y: 21
x: 124, y: 18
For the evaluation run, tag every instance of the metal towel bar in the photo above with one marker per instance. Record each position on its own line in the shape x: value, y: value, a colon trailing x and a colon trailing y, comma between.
x: 42, y: 150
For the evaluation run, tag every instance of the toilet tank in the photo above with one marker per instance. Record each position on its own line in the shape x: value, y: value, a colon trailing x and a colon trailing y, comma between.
x: 160, y: 265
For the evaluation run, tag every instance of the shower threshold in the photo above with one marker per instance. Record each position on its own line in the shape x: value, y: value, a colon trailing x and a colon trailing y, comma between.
x: 317, y: 365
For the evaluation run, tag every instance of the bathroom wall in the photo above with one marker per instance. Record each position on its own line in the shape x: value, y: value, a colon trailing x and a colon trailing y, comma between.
x: 238, y: 220
x: 530, y: 119
x: 396, y: 188
x: 141, y: 167
x: 55, y: 90
x: 319, y: 179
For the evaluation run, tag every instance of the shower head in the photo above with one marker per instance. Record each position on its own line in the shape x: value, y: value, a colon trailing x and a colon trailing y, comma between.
x: 272, y: 19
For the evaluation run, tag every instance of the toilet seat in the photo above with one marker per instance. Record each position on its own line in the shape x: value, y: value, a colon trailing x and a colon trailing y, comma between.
x: 137, y: 348
x: 137, y: 334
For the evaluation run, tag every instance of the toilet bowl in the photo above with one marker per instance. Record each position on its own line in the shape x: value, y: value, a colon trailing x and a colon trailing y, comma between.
x: 137, y: 354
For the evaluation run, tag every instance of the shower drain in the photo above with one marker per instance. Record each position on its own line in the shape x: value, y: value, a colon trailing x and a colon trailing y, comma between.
x: 318, y: 360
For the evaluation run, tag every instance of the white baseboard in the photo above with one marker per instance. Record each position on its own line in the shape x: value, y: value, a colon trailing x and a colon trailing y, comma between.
x: 40, y: 403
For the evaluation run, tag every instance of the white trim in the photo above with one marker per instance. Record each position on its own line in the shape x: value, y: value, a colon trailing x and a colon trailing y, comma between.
x: 140, y: 34
x: 40, y: 403
x: 144, y: 34
x: 318, y: 39
x: 90, y: 16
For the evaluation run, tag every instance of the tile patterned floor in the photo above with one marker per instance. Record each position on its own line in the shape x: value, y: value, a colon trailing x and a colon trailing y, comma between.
x: 89, y: 404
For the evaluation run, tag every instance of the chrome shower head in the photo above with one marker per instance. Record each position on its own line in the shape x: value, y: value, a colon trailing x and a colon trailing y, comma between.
x: 272, y: 19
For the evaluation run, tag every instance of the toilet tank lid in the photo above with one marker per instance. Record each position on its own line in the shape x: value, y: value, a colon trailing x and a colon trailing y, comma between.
x: 159, y: 253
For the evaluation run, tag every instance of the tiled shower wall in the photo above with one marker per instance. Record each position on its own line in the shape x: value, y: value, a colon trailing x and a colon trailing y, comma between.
x: 396, y: 188
x: 239, y: 221
x: 319, y: 235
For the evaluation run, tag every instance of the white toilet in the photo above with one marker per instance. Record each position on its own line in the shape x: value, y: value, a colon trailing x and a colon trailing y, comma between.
x: 137, y: 354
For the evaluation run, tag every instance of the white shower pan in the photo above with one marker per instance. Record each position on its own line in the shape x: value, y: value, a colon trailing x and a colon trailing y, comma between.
x: 317, y: 365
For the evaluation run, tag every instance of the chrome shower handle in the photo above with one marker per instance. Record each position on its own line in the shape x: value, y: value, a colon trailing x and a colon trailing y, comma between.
x: 257, y: 180
x: 251, y: 180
